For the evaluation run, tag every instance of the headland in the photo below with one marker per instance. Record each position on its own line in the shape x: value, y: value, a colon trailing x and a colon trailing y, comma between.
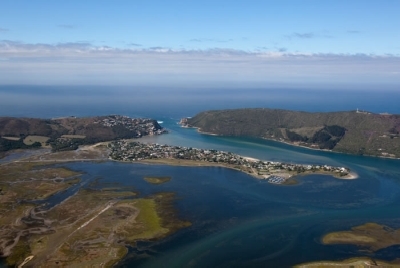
x: 353, y: 132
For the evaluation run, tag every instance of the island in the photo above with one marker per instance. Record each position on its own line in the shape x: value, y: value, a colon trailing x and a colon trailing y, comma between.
x: 273, y: 172
x: 369, y: 236
x: 157, y: 180
x: 354, y: 132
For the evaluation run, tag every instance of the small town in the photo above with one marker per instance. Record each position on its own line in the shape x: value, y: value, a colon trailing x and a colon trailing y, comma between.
x: 140, y: 125
x: 274, y: 172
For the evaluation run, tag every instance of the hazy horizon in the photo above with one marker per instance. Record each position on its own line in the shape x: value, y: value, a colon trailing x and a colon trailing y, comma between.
x: 201, y: 44
x: 53, y: 101
x: 201, y: 55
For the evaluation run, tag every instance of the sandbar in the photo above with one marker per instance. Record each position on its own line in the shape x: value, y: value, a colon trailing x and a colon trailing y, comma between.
x: 372, y: 236
x: 361, y: 262
x: 285, y: 174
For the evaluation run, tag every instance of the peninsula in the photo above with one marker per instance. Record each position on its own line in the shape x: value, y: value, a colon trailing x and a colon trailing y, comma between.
x: 274, y: 172
x: 354, y: 132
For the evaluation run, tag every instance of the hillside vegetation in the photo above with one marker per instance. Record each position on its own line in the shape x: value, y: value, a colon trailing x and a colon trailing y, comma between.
x: 70, y: 132
x: 349, y: 132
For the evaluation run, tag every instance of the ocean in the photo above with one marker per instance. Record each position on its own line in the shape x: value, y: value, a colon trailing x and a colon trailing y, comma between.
x: 55, y: 101
x: 237, y: 220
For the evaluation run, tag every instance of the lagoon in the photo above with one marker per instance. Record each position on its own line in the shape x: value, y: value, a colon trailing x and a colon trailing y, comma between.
x: 241, y: 221
x: 237, y: 219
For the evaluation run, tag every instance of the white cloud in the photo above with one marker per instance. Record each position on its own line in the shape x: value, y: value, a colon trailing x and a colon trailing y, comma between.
x: 309, y: 35
x: 83, y: 63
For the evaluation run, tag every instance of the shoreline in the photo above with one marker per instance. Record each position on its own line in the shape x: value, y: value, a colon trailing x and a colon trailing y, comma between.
x: 350, y: 176
x: 331, y: 151
x: 363, y: 262
x: 190, y: 163
x: 285, y: 175
x: 183, y: 163
x: 292, y: 144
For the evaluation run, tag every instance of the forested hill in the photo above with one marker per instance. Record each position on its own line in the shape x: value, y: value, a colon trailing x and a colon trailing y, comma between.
x: 69, y: 132
x: 351, y: 132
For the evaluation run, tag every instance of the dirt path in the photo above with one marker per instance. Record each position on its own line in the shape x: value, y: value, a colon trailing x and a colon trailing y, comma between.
x: 27, y: 259
x: 109, y: 205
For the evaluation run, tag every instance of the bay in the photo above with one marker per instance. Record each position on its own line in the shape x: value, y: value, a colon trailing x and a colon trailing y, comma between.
x: 237, y: 219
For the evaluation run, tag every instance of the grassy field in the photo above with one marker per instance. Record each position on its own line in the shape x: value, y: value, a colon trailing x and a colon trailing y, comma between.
x: 89, y: 225
x: 157, y: 180
x: 73, y: 136
x: 92, y: 226
x: 361, y: 262
x: 148, y: 222
x: 370, y: 235
x: 29, y: 140
x: 25, y: 181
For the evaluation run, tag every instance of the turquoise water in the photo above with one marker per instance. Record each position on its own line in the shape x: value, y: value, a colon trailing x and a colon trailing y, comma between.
x: 237, y: 219
x: 241, y: 221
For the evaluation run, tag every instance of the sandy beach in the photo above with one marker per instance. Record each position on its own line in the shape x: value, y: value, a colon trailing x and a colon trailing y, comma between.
x: 350, y: 176
x: 251, y: 159
x: 287, y: 175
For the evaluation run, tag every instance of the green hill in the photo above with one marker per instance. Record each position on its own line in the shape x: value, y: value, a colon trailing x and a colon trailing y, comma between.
x: 69, y: 132
x: 349, y: 132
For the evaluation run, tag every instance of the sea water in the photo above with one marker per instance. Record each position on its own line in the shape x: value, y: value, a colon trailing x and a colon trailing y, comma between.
x: 241, y: 221
x: 237, y: 220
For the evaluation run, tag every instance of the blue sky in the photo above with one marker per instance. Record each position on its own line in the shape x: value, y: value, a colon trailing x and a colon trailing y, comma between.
x: 200, y: 42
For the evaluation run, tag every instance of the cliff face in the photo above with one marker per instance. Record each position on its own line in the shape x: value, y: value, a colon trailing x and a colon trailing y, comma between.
x: 350, y: 132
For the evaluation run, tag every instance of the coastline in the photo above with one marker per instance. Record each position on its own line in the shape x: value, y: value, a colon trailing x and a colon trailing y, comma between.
x: 185, y: 163
x: 292, y: 144
x: 325, y: 150
x: 350, y: 176
x: 190, y: 163
x: 362, y: 262
x: 96, y: 152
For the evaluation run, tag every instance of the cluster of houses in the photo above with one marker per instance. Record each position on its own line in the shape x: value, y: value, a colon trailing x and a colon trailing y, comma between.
x: 124, y: 150
x: 134, y: 124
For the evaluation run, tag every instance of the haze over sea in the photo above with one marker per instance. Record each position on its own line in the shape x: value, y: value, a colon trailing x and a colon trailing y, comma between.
x: 237, y: 220
x: 54, y: 101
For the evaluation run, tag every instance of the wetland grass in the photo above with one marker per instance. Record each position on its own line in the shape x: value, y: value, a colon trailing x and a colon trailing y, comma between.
x: 157, y: 180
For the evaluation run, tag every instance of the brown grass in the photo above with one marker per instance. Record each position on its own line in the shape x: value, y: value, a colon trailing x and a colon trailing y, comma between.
x: 157, y: 180
x: 361, y: 262
x: 73, y: 136
x: 29, y: 140
x: 369, y: 235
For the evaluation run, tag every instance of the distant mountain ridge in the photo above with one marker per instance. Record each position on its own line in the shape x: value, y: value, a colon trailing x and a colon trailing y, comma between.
x: 349, y: 132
